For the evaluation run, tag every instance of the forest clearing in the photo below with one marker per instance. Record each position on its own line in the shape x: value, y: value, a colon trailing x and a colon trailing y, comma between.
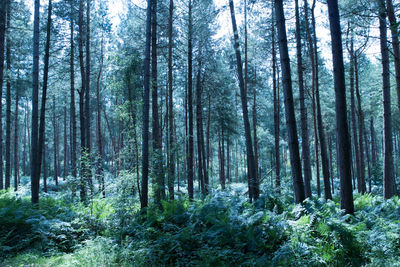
x: 199, y: 133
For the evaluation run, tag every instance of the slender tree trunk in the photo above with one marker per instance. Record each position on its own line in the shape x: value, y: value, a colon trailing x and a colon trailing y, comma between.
x: 3, y: 7
x: 100, y: 149
x: 314, y: 104
x: 389, y: 188
x: 8, y: 99
x: 353, y: 119
x: 88, y: 145
x: 343, y: 138
x: 276, y: 110
x: 171, y: 168
x: 321, y: 132
x: 330, y: 163
x: 243, y: 96
x: 190, y: 156
x: 146, y: 110
x: 44, y: 169
x: 65, y: 171
x: 159, y: 185
x: 55, y: 143
x: 295, y: 162
x: 16, y: 150
x: 305, y: 144
x: 24, y: 158
x: 72, y: 101
x: 82, y: 174
x: 360, y: 127
x: 35, y: 178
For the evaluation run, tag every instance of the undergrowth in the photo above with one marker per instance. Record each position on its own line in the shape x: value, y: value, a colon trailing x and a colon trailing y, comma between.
x: 220, y: 230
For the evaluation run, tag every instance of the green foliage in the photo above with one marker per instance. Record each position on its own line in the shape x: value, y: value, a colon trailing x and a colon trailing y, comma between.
x: 223, y: 229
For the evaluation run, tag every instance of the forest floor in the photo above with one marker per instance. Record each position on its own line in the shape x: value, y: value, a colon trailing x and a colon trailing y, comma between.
x: 219, y: 230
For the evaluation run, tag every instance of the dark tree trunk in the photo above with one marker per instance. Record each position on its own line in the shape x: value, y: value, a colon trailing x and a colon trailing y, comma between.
x: 16, y: 150
x: 82, y: 182
x: 243, y: 96
x: 35, y: 179
x: 321, y: 132
x: 353, y: 120
x: 72, y: 101
x: 44, y: 169
x: 295, y: 162
x: 190, y: 157
x: 55, y: 142
x: 314, y: 104
x: 88, y: 145
x: 3, y: 6
x: 171, y: 159
x: 159, y: 191
x: 65, y: 165
x: 305, y: 144
x: 100, y: 149
x: 276, y: 110
x: 389, y: 188
x: 146, y: 110
x: 343, y: 138
x: 8, y: 99
x: 360, y: 127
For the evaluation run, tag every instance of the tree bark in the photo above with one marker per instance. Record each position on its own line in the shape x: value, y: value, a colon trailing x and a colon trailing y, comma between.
x: 171, y: 168
x: 8, y: 99
x: 276, y: 110
x: 159, y: 185
x: 305, y: 144
x: 243, y: 96
x: 16, y: 150
x: 360, y: 126
x: 35, y: 178
x: 100, y: 149
x: 3, y: 7
x: 146, y: 110
x: 295, y: 162
x: 343, y: 139
x: 190, y: 156
x: 389, y: 186
x: 72, y: 101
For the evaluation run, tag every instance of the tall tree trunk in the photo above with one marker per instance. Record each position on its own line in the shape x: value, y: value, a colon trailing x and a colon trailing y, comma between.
x: 171, y: 159
x: 55, y: 143
x: 65, y: 165
x: 314, y: 104
x: 16, y: 150
x: 44, y: 169
x: 146, y: 110
x: 374, y: 159
x: 200, y: 134
x: 353, y: 119
x: 321, y: 131
x: 243, y: 96
x: 389, y: 187
x: 24, y: 158
x: 3, y: 6
x: 295, y: 162
x: 276, y: 110
x: 190, y: 157
x: 305, y: 144
x: 35, y: 178
x: 72, y: 101
x: 88, y: 145
x: 343, y: 138
x: 82, y: 182
x: 8, y: 99
x: 360, y: 126
x: 159, y: 185
x: 100, y: 149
